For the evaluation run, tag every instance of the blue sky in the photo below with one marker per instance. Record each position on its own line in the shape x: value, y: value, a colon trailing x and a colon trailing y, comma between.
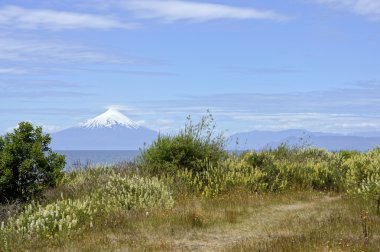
x: 257, y: 65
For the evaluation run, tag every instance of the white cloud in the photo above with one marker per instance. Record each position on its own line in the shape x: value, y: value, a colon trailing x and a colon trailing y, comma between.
x: 325, y: 122
x: 46, y: 128
x: 340, y: 110
x: 175, y: 10
x: 123, y: 108
x: 368, y: 8
x: 50, y: 128
x: 166, y: 126
x: 21, y: 18
x: 26, y: 49
x: 13, y: 70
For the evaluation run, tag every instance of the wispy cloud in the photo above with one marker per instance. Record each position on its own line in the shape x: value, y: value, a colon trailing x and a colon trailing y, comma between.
x: 45, y: 127
x: 33, y: 50
x: 325, y: 122
x: 50, y: 111
x: 30, y: 84
x: 126, y: 108
x: 127, y: 72
x: 340, y: 110
x: 11, y: 89
x: 367, y: 8
x: 17, y: 17
x: 36, y: 95
x: 13, y: 70
x: 358, y: 99
x: 175, y: 10
x: 260, y: 70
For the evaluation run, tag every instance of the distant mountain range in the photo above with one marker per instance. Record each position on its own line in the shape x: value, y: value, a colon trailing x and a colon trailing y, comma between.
x: 109, y: 131
x: 114, y: 131
x: 259, y: 140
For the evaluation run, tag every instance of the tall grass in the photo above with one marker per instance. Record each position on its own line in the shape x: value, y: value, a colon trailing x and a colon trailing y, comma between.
x: 188, y: 183
x: 69, y: 216
x: 284, y: 169
x: 348, y: 224
x: 104, y: 199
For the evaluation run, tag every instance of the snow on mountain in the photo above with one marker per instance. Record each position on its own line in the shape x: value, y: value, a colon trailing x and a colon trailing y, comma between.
x: 109, y: 131
x: 113, y: 130
x: 109, y: 119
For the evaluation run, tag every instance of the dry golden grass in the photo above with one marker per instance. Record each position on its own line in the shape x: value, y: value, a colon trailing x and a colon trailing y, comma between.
x: 333, y: 224
x: 238, y: 221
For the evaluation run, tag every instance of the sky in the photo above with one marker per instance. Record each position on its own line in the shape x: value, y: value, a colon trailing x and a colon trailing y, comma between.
x: 256, y: 65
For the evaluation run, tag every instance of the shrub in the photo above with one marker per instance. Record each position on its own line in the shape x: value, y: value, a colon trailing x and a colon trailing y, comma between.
x: 363, y: 174
x: 232, y: 173
x: 299, y: 168
x: 268, y: 171
x: 314, y: 169
x: 62, y: 215
x: 346, y: 154
x: 265, y: 163
x: 27, y: 164
x: 71, y: 216
x: 79, y: 182
x: 193, y: 148
x: 127, y: 193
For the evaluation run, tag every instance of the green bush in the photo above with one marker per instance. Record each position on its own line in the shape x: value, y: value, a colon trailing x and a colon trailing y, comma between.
x: 230, y: 174
x: 193, y: 148
x: 265, y: 163
x: 363, y: 174
x: 118, y: 193
x: 27, y: 164
x: 126, y: 193
x: 273, y: 170
x: 315, y: 169
x: 268, y: 171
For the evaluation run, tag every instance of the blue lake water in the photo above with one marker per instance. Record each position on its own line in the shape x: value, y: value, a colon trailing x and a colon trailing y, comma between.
x: 81, y: 159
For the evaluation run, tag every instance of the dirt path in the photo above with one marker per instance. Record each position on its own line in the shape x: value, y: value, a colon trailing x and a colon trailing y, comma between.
x: 258, y: 225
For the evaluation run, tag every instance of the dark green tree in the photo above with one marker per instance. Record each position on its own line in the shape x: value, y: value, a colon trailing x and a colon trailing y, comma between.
x: 27, y: 164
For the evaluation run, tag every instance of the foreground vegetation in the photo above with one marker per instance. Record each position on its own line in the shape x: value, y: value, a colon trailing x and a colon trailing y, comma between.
x: 187, y: 193
x: 27, y: 164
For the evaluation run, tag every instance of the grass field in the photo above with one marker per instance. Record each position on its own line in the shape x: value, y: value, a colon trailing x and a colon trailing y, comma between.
x: 237, y: 221
x: 188, y: 194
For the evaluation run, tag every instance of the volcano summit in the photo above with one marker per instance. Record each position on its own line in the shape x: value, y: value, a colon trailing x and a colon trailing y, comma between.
x: 111, y: 130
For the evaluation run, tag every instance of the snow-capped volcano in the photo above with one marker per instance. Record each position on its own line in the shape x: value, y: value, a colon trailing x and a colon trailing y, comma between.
x: 111, y: 130
x: 109, y: 119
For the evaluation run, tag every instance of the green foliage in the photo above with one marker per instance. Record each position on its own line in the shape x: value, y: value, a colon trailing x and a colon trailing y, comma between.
x: 194, y: 148
x: 196, y: 162
x: 105, y: 195
x: 126, y: 193
x: 79, y: 182
x: 230, y: 174
x: 69, y: 216
x: 314, y: 169
x: 27, y: 164
x: 62, y: 215
x: 268, y: 171
x: 363, y: 174
x: 265, y: 163
x: 346, y: 154
x: 1, y: 144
